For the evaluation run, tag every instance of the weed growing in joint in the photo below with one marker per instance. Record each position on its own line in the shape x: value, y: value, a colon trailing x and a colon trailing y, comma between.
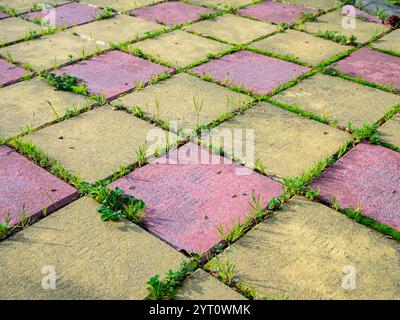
x: 366, y: 132
x: 106, y: 13
x: 225, y: 271
x: 337, y: 37
x: 312, y: 194
x: 115, y: 204
x: 165, y: 289
x: 66, y: 82
x: 141, y: 153
x: 4, y: 227
x: 198, y: 107
x: 295, y: 186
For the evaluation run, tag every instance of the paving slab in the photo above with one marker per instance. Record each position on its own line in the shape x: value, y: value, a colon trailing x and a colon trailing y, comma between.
x: 165, y: 100
x: 338, y: 99
x: 333, y: 21
x: 119, y: 29
x: 276, y: 12
x: 67, y: 15
x: 15, y: 29
x: 9, y: 73
x: 256, y: 72
x: 95, y: 143
x: 390, y: 131
x: 190, y: 192
x: 232, y: 29
x: 3, y: 15
x: 389, y: 42
x: 27, y: 190
x: 91, y: 259
x: 27, y: 5
x: 373, y: 66
x: 180, y: 48
x: 202, y: 286
x: 367, y: 177
x: 44, y: 53
x: 221, y: 4
x: 113, y: 73
x: 121, y: 5
x: 32, y: 104
x: 305, y: 251
x: 320, y: 4
x: 300, y: 45
x: 284, y: 142
x: 171, y: 13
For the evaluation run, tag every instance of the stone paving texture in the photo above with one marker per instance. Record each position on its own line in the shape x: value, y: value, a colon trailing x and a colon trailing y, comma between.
x: 390, y: 132
x: 202, y: 286
x: 389, y: 42
x: 339, y: 99
x: 320, y: 4
x: 333, y: 22
x: 10, y: 73
x: 373, y: 66
x: 191, y: 192
x: 28, y: 191
x: 171, y: 13
x: 26, y: 5
x: 166, y: 101
x: 14, y: 29
x: 255, y: 72
x: 122, y: 257
x: 67, y: 15
x: 221, y: 4
x: 180, y: 48
x: 232, y: 29
x: 121, y: 5
x: 275, y: 12
x: 286, y: 143
x: 302, y: 46
x: 368, y: 178
x: 113, y: 73
x: 95, y: 143
x: 300, y: 254
x: 44, y: 53
x: 303, y: 251
x: 32, y: 104
x: 119, y: 29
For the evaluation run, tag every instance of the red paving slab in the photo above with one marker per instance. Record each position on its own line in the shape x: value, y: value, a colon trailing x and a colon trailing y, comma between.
x: 368, y: 175
x: 3, y: 15
x: 186, y: 200
x: 171, y: 13
x: 70, y: 14
x: 24, y: 185
x: 373, y: 66
x: 113, y: 73
x: 275, y: 12
x: 349, y: 9
x: 257, y: 72
x: 10, y: 73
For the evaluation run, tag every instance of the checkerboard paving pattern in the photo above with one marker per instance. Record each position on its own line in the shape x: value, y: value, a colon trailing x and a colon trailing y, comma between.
x: 256, y: 134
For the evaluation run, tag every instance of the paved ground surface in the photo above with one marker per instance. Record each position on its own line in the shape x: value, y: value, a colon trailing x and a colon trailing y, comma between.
x: 140, y: 82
